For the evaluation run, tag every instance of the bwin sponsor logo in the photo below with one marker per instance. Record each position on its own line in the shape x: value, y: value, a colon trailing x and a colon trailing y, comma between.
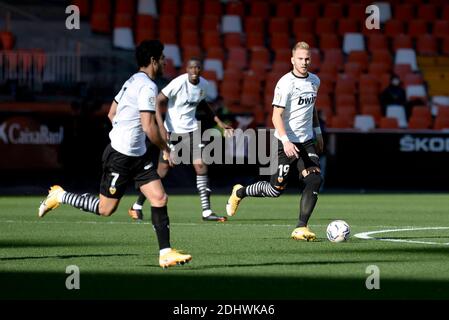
x: 307, y: 100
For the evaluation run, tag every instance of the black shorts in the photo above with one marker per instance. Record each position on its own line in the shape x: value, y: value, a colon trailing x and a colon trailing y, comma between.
x: 184, y: 143
x: 308, y: 157
x: 120, y: 169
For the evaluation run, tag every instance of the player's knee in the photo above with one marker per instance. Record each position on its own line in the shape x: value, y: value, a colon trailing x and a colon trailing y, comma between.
x: 313, y: 181
x: 105, y: 210
x: 159, y: 200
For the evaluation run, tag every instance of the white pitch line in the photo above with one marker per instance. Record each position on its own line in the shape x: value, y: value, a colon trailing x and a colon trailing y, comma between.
x: 367, y: 235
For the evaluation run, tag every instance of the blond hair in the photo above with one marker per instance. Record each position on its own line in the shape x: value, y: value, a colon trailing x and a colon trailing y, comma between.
x: 301, y: 45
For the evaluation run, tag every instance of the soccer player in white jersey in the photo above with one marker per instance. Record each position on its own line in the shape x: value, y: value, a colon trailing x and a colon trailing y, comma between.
x: 125, y: 159
x: 181, y: 97
x: 296, y: 124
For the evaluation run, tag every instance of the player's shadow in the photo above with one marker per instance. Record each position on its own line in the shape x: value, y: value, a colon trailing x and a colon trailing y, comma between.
x: 284, y: 263
x: 68, y: 256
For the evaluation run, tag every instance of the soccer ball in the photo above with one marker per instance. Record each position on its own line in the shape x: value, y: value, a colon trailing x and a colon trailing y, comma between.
x: 338, y: 231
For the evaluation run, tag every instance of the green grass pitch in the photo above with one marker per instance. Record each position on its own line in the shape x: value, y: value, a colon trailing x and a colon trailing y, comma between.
x: 251, y: 256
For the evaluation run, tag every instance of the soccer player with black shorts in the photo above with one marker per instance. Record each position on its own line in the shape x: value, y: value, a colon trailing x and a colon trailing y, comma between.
x: 181, y: 97
x: 126, y: 158
x: 297, y: 126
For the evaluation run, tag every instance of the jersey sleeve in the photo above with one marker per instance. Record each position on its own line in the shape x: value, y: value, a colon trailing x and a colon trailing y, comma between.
x: 172, y: 88
x: 281, y: 94
x: 120, y: 94
x: 147, y: 98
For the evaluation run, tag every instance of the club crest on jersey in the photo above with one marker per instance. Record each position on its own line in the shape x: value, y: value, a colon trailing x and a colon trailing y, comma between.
x: 112, y: 190
x: 305, y: 101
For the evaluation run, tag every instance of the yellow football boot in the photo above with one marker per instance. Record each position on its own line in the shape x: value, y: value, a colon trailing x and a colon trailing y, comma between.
x: 51, y: 202
x: 234, y: 201
x: 172, y: 258
x: 303, y: 233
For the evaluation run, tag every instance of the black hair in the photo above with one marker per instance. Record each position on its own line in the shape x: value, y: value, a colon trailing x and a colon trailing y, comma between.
x: 148, y: 49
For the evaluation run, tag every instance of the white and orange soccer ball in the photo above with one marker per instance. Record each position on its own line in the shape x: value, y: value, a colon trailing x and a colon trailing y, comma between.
x: 338, y: 231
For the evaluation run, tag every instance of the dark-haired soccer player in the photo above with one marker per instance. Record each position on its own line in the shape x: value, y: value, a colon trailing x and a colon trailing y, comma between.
x: 125, y: 159
x: 296, y: 125
x: 181, y: 97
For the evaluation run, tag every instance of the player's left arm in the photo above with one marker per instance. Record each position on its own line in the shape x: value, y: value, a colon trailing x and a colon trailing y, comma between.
x: 318, y: 133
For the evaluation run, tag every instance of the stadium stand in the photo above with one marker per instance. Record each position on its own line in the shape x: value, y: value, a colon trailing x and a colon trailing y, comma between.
x: 238, y: 38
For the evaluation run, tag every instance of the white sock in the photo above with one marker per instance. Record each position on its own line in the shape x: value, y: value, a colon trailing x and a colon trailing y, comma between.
x: 137, y: 206
x: 164, y: 251
x: 207, y: 213
x: 60, y: 196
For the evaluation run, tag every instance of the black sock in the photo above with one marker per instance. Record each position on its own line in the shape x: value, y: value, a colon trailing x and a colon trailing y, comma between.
x: 309, y: 198
x: 140, y: 199
x: 86, y: 202
x: 161, y: 225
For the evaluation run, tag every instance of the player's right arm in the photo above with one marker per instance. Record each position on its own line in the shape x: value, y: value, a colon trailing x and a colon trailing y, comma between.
x: 289, y: 148
x: 161, y: 104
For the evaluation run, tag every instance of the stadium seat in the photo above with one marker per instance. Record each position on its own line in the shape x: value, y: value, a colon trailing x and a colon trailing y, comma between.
x: 190, y: 52
x: 191, y: 8
x: 353, y: 68
x: 231, y: 23
x: 310, y: 38
x: 170, y: 8
x: 348, y: 25
x: 364, y: 122
x: 440, y: 28
x: 340, y: 122
x: 393, y: 28
x: 233, y: 40
x: 402, y: 41
x: 361, y: 57
x: 189, y: 23
x: 123, y: 38
x: 189, y: 38
x: 427, y: 12
x: 325, y: 26
x: 100, y: 18
x: 210, y: 23
x: 445, y: 46
x: 254, y: 40
x: 382, y: 56
x: 232, y: 76
x: 216, y: 65
x: 280, y: 41
x: 211, y: 39
x: 357, y: 11
x: 417, y: 28
x: 254, y: 25
x: 378, y: 68
x: 368, y: 83
x: 333, y: 11
x: 401, y: 70
x: 235, y: 8
x: 345, y: 84
x: 418, y: 124
x: 7, y: 40
x: 281, y: 66
x: 404, y: 12
x: 260, y: 9
x: 427, y: 45
x: 302, y: 25
x: 441, y: 123
x: 310, y: 10
x: 145, y: 28
x: 213, y: 9
x: 373, y: 110
x: 83, y: 6
x: 278, y: 26
x: 422, y: 112
x: 388, y: 123
x: 329, y: 67
x: 406, y: 56
x: 416, y: 91
x: 413, y: 78
x: 286, y: 9
x: 353, y: 42
x: 168, y: 23
x: 215, y: 53
x: 397, y: 112
x: 239, y: 55
x: 171, y: 51
x: 377, y: 42
x: 147, y: 7
x: 385, y: 11
x: 329, y: 41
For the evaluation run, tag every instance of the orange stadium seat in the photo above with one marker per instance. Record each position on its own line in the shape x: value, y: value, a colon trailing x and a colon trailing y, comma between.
x: 212, y: 8
x: 377, y: 42
x: 357, y: 11
x: 168, y: 23
x: 310, y: 10
x: 286, y: 9
x: 329, y: 41
x: 325, y: 25
x: 254, y: 25
x: 402, y: 41
x: 145, y: 28
x: 189, y: 23
x: 382, y: 56
x: 215, y: 52
x: 232, y: 40
x: 255, y: 40
x: 441, y: 123
x: 417, y: 27
x: 211, y: 39
x: 210, y: 23
x: 404, y: 12
x: 100, y: 18
x: 394, y: 27
x: 334, y: 56
x: 372, y: 109
x: 83, y: 6
x: 440, y: 28
x: 310, y: 38
x: 278, y: 26
x: 333, y: 11
x: 260, y: 9
x: 7, y: 40
x: 190, y: 52
x: 427, y: 45
x: 235, y: 8
x: 239, y: 56
x: 189, y: 38
x: 427, y: 11
x: 361, y: 57
x: 418, y: 123
x: 280, y: 41
x: 341, y: 122
x: 348, y: 25
x: 191, y: 8
x: 353, y: 68
x: 170, y: 7
x: 388, y: 123
x: 445, y: 15
x: 302, y: 25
